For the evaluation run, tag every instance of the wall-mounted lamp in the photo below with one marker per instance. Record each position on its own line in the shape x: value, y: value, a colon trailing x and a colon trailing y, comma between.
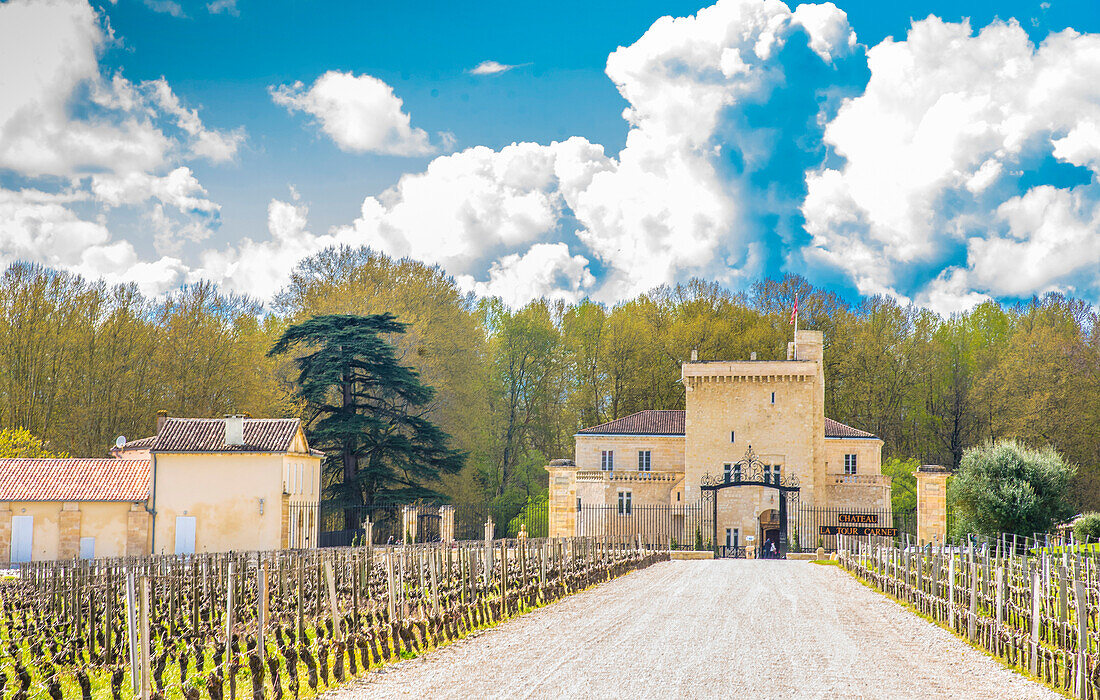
x: 261, y: 506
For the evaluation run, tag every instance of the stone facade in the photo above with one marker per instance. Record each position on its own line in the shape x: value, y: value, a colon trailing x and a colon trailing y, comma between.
x: 776, y: 408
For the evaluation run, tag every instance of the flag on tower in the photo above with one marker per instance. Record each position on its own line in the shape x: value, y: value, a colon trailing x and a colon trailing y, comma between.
x: 794, y: 311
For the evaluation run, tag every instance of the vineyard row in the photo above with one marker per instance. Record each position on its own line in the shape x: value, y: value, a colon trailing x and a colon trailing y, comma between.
x: 286, y: 624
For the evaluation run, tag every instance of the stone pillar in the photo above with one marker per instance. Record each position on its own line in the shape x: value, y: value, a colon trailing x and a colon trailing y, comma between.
x: 931, y: 503
x: 563, y: 498
x: 5, y: 534
x: 446, y: 523
x: 68, y: 527
x: 408, y: 523
x: 284, y: 526
x: 137, y: 531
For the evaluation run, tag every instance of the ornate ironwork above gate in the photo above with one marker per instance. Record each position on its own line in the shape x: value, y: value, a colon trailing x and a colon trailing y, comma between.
x: 750, y: 471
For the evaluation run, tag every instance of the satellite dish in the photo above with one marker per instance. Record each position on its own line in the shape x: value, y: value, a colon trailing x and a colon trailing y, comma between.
x: 120, y: 441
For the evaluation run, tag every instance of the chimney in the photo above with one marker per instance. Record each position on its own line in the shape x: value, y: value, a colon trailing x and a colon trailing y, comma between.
x: 694, y: 355
x: 162, y: 416
x: 234, y: 430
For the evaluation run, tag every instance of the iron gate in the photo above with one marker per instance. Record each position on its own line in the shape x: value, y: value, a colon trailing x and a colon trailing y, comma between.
x: 750, y: 471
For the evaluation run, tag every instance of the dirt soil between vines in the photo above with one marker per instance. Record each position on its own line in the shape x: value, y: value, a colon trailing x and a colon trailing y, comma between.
x: 699, y: 629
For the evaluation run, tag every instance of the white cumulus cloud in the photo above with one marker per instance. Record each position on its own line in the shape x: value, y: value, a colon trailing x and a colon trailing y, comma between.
x: 932, y: 152
x: 360, y: 113
x: 657, y: 212
x: 92, y: 143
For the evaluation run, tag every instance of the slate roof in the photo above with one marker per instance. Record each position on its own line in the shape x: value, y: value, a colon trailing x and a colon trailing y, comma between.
x: 648, y: 422
x: 74, y: 479
x: 836, y: 429
x: 651, y: 422
x: 208, y: 435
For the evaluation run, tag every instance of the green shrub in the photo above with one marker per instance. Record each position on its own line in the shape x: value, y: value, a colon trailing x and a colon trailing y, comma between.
x: 698, y: 540
x: 1087, y: 527
x: 1010, y: 487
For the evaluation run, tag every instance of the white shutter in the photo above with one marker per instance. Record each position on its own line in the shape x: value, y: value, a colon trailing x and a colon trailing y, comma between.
x: 22, y: 538
x: 185, y: 534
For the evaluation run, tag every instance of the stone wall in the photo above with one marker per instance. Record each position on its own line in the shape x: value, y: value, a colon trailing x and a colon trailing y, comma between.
x: 666, y: 452
x: 5, y: 534
x: 68, y: 536
x: 868, y: 452
x: 137, y: 530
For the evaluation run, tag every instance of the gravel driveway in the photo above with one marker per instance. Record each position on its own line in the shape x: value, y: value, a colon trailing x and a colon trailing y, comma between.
x: 769, y: 629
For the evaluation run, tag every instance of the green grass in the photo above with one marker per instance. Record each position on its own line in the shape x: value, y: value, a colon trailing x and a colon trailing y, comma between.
x: 1075, y: 549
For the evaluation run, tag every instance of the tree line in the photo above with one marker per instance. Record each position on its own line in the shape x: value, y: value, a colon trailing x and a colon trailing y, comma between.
x: 82, y: 362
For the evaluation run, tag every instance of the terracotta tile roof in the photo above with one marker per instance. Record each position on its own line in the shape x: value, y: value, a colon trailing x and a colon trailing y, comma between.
x: 649, y: 422
x: 652, y: 422
x: 208, y: 435
x: 142, y: 444
x: 836, y: 429
x: 74, y: 479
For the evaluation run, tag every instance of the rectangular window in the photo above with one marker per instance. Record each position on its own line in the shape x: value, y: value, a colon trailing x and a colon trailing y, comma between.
x: 773, y: 397
x: 677, y: 495
x: 729, y: 537
x: 607, y: 460
x: 733, y: 436
x: 87, y: 548
x: 727, y: 471
x: 849, y: 464
x: 737, y: 472
x: 736, y: 538
x: 625, y: 506
x: 643, y: 460
x: 775, y: 474
x: 578, y: 505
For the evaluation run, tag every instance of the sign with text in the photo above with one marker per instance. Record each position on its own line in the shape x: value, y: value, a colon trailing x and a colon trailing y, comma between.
x: 858, y: 518
x: 859, y: 530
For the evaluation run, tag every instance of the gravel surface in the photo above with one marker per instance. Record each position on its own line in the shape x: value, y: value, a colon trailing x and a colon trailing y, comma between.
x: 773, y: 629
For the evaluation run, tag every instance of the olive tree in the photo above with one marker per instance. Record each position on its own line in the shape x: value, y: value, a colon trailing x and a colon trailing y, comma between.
x: 1010, y: 487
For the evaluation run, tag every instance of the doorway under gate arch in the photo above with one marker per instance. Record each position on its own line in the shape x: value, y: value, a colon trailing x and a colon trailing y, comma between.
x: 750, y: 471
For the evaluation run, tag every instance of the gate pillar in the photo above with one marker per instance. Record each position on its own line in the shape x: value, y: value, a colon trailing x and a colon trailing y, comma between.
x: 931, y: 502
x: 408, y: 523
x: 446, y: 523
x: 562, y: 515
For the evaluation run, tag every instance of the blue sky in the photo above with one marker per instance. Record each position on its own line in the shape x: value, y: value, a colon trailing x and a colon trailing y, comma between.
x: 734, y: 173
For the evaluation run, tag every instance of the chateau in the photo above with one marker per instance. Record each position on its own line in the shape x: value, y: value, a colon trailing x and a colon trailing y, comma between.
x: 750, y: 425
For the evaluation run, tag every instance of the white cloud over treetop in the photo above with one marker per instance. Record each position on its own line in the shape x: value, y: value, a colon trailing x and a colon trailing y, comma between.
x: 658, y: 212
x: 360, y: 113
x: 113, y: 142
x: 932, y: 153
x: 926, y: 184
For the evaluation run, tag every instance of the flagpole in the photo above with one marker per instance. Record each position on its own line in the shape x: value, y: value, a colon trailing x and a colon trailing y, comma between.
x: 794, y: 354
